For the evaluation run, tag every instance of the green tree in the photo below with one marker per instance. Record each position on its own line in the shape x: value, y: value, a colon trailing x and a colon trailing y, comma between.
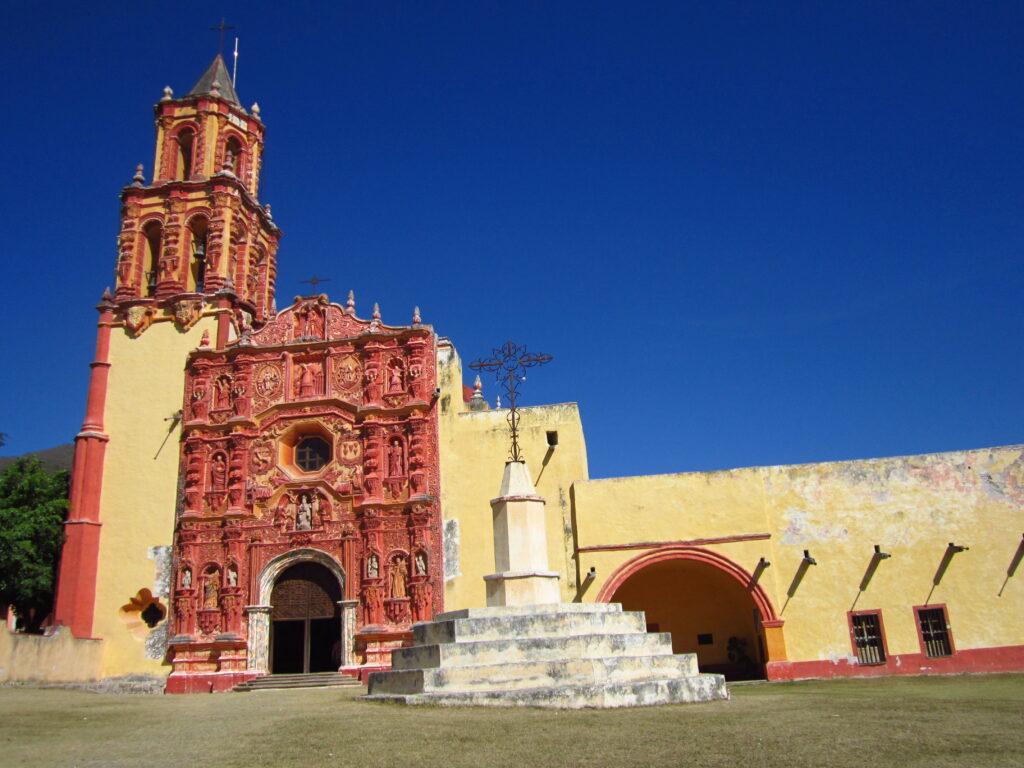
x: 33, y: 505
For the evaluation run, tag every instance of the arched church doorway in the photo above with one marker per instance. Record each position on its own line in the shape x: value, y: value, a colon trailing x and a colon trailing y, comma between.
x: 708, y: 611
x: 305, y: 625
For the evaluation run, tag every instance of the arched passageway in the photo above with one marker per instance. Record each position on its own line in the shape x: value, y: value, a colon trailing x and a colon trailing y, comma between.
x: 709, y: 610
x: 305, y: 628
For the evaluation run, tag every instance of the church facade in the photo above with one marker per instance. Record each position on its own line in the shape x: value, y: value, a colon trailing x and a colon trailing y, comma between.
x: 259, y: 491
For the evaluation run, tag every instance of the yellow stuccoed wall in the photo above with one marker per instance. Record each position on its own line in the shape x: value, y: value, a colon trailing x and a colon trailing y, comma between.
x: 140, y: 480
x: 474, y: 446
x: 911, y: 506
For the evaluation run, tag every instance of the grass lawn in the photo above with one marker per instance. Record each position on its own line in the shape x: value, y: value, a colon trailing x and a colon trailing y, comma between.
x: 924, y: 721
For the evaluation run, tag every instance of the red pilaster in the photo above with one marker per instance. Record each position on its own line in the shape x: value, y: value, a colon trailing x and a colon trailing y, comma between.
x: 223, y: 322
x: 76, y: 579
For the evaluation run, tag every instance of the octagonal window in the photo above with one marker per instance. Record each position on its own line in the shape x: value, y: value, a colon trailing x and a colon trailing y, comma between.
x: 312, y: 453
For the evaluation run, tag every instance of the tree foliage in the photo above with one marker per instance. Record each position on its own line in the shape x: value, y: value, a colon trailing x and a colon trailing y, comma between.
x: 33, y: 505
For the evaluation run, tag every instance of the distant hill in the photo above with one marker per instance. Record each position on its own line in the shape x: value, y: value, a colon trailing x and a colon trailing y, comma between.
x: 51, y: 458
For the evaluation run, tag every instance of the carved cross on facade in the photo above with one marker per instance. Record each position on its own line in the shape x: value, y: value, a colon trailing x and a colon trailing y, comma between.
x: 509, y: 363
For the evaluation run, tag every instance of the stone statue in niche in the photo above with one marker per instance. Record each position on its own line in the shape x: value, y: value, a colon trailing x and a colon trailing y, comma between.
x: 291, y: 510
x: 218, y: 472
x: 223, y: 387
x: 314, y: 504
x: 397, y: 577
x: 395, y: 383
x: 304, y: 519
x: 421, y: 564
x: 306, y: 381
x: 186, y: 579
x: 232, y: 577
x: 211, y: 590
x: 396, y: 465
x: 309, y: 323
x: 372, y: 567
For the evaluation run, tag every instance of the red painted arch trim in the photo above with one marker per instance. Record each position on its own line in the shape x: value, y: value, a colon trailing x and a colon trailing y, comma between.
x: 706, y: 556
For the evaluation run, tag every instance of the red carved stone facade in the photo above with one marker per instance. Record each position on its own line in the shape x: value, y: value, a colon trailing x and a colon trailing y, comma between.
x: 314, y: 385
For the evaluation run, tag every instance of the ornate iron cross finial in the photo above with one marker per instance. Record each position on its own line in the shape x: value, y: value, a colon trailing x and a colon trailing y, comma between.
x: 509, y: 363
x: 315, y: 281
x: 220, y: 28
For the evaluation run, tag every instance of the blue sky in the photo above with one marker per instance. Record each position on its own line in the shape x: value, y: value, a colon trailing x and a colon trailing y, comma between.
x: 750, y: 233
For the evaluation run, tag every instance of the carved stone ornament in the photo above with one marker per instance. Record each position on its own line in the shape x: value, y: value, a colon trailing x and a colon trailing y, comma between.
x: 349, y: 451
x: 347, y: 374
x: 187, y: 312
x: 261, y: 456
x: 269, y: 379
x: 138, y: 318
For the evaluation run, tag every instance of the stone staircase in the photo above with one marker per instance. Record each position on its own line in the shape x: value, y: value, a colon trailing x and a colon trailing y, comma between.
x: 568, y: 655
x: 313, y: 680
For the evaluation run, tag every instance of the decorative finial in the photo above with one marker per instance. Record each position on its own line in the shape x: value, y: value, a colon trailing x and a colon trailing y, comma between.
x: 350, y: 305
x: 168, y: 93
x: 139, y: 178
x: 497, y: 401
x: 107, y: 296
x: 204, y: 342
x: 416, y: 319
x: 476, y: 402
x: 266, y: 210
x: 255, y: 109
x: 215, y: 88
x: 376, y: 311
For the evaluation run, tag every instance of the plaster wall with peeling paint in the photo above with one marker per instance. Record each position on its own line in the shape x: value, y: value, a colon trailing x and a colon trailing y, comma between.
x: 913, y: 507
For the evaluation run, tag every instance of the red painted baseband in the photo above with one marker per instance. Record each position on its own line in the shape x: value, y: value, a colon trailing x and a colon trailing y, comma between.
x: 212, y: 682
x: 1009, y: 658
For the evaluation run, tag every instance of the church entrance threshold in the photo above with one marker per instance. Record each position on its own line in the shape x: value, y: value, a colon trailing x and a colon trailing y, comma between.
x: 305, y: 632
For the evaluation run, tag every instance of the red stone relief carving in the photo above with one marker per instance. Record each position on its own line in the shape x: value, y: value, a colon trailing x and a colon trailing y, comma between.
x: 246, y: 500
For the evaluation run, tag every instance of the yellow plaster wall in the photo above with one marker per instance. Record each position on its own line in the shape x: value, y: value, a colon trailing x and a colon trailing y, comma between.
x: 140, y: 479
x: 56, y: 658
x: 473, y: 449
x: 911, y: 506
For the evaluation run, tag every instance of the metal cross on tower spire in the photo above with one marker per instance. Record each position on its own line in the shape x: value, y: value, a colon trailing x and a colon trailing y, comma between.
x: 509, y: 363
x: 220, y: 28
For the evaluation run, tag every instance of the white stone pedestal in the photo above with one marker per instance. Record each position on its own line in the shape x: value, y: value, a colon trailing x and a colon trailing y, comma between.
x: 520, y: 544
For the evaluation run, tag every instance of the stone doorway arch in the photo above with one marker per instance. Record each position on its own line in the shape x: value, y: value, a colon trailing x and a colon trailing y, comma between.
x: 260, y: 614
x: 711, y: 605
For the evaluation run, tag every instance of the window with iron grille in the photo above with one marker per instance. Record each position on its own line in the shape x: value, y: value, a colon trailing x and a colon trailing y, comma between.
x: 934, y: 632
x: 866, y: 629
x: 312, y: 453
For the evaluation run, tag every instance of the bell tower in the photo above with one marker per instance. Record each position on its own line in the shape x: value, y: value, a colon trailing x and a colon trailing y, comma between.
x: 196, y: 265
x: 198, y: 229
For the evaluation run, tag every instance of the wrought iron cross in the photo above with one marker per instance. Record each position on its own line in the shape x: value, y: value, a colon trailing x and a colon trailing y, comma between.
x: 220, y: 28
x: 509, y: 363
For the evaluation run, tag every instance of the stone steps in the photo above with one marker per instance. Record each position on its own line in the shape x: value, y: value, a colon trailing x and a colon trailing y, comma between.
x: 560, y: 656
x: 535, y: 674
x: 461, y: 630
x: 513, y: 649
x: 313, y: 680
x: 698, y: 688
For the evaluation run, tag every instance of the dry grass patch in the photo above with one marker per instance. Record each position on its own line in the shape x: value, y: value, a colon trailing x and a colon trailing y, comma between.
x: 931, y: 722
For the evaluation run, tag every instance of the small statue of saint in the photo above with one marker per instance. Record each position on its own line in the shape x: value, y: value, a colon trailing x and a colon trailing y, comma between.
x: 304, y: 519
x: 399, y: 572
